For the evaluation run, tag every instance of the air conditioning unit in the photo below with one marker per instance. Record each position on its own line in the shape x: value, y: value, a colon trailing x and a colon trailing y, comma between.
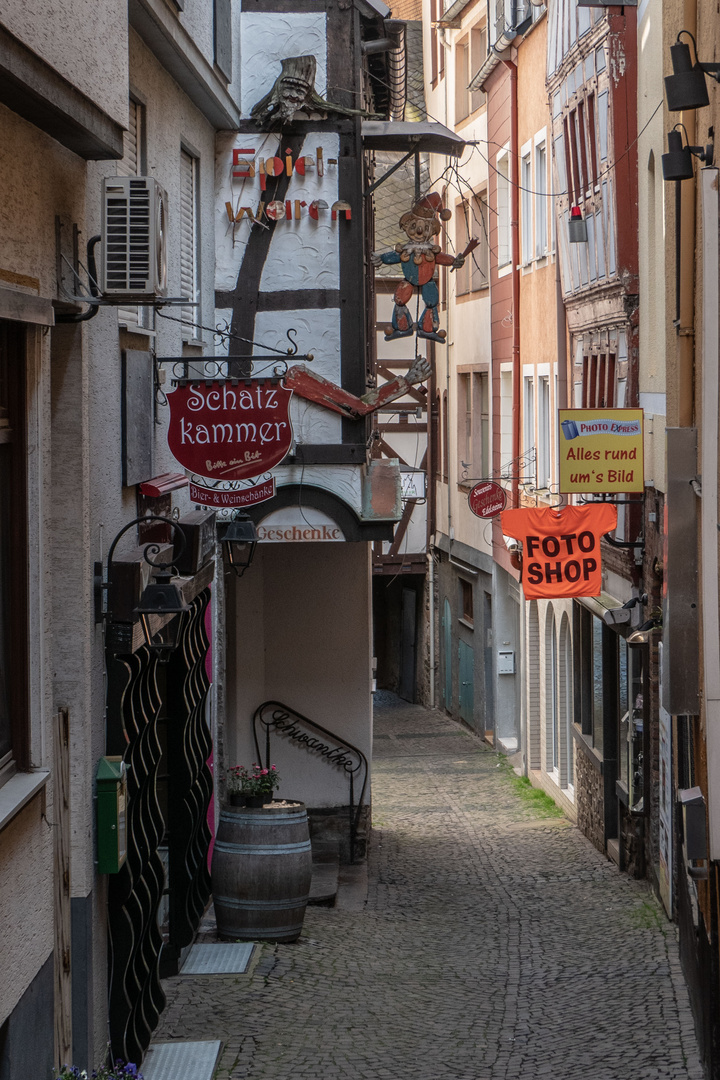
x: 134, y: 237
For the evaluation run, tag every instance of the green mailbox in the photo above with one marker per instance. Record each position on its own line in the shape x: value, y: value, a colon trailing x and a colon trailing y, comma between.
x: 111, y: 816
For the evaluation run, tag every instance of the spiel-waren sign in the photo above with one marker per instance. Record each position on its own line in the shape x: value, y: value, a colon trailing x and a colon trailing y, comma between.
x: 230, y: 430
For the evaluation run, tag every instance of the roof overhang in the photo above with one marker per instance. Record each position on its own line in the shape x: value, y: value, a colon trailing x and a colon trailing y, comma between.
x: 450, y: 19
x: 374, y: 7
x: 405, y: 137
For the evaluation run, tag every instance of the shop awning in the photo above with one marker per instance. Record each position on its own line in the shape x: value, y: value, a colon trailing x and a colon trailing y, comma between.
x: 406, y: 137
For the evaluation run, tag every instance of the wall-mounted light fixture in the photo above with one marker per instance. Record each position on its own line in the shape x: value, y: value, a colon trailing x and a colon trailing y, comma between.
x: 677, y: 163
x: 686, y: 87
x: 577, y: 227
x: 240, y: 541
x: 641, y: 636
x: 161, y: 597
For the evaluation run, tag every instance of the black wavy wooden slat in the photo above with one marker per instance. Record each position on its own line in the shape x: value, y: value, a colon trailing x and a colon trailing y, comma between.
x: 190, y: 785
x: 136, y: 995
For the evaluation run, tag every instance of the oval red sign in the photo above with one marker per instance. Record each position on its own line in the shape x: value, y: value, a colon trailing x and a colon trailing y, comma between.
x: 487, y: 499
x: 227, y: 430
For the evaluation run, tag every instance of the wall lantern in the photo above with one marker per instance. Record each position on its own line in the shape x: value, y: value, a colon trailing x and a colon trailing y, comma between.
x: 677, y: 163
x: 577, y: 227
x: 161, y: 596
x: 240, y: 541
x: 641, y: 636
x: 686, y: 87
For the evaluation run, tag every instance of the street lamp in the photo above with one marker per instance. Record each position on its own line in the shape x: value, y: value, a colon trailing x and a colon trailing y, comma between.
x: 240, y: 541
x: 686, y: 87
x: 577, y: 226
x: 677, y: 163
x: 161, y: 597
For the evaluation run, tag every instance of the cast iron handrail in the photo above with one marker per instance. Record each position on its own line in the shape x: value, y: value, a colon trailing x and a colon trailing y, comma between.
x: 338, y: 752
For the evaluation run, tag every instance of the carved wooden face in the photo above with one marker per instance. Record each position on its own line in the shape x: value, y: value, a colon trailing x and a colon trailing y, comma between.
x: 292, y: 95
x: 419, y: 229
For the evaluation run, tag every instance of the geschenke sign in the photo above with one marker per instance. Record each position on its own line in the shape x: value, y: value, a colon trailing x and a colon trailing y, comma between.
x: 298, y: 525
x: 228, y: 430
x: 487, y: 499
x: 600, y: 450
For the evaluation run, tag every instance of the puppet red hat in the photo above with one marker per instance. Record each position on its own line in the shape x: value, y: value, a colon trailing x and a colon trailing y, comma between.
x: 429, y: 206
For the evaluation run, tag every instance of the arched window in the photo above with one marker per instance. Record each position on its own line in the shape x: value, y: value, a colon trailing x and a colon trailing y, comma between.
x: 534, y: 741
x: 552, y: 696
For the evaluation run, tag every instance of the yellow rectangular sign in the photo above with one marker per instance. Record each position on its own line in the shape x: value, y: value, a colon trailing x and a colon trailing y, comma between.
x: 600, y: 450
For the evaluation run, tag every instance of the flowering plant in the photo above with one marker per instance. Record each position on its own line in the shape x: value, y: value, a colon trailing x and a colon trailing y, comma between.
x: 119, y: 1071
x: 241, y: 781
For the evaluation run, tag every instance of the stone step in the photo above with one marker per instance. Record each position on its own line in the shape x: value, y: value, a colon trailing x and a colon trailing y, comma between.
x: 325, y: 871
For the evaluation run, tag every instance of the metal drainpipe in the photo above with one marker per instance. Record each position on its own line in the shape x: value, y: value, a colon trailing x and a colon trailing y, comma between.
x: 431, y: 644
x: 686, y: 305
x: 514, y: 225
x: 710, y: 254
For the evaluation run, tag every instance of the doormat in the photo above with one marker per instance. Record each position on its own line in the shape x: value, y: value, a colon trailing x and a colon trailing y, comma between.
x: 224, y: 959
x: 181, y: 1060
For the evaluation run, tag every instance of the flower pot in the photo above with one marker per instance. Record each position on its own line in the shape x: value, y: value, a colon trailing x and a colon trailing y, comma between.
x: 254, y: 801
x: 261, y: 871
x: 238, y: 800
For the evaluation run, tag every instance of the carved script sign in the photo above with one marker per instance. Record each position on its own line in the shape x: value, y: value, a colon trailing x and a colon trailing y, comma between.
x: 284, y: 724
x: 227, y: 430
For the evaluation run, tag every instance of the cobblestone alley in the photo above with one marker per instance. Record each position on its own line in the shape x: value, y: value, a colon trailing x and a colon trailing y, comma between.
x: 495, y: 942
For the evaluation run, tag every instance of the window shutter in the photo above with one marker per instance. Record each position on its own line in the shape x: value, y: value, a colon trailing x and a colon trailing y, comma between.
x: 131, y: 165
x: 188, y: 243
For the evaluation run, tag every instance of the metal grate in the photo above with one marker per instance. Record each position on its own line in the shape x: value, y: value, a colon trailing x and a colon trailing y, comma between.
x: 181, y: 1060
x: 127, y: 236
x: 230, y: 959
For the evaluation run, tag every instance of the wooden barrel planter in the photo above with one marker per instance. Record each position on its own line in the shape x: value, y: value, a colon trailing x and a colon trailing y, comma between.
x: 261, y: 871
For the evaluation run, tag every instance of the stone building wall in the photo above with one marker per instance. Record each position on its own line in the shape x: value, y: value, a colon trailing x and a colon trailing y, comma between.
x: 589, y: 801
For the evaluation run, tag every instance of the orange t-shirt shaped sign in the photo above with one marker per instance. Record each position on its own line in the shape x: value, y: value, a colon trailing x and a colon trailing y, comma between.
x: 561, y: 548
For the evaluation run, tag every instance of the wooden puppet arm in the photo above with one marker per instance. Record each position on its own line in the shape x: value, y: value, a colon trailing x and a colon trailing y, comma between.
x: 307, y: 384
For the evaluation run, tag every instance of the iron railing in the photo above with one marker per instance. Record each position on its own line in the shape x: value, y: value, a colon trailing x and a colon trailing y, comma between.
x: 337, y: 752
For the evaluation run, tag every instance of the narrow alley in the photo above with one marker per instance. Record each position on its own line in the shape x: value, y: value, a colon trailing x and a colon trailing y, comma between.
x: 495, y: 942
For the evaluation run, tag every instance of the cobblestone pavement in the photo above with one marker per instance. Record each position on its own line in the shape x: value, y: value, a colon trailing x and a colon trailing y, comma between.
x: 495, y: 943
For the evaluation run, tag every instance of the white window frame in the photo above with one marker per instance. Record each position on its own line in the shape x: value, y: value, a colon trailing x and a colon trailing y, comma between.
x: 541, y: 186
x: 527, y: 252
x: 544, y: 427
x: 134, y: 163
x: 506, y: 420
x: 190, y: 244
x: 504, y: 233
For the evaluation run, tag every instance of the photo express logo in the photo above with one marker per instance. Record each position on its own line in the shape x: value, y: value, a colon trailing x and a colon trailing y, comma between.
x: 572, y: 557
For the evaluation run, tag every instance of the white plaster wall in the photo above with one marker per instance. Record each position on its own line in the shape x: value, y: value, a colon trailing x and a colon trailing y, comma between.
x: 302, y: 634
x: 506, y: 635
x: 197, y: 18
x: 345, y: 481
x: 39, y: 178
x: 66, y: 36
x: 91, y: 506
x: 304, y: 254
x: 26, y: 902
x: 651, y: 262
x: 267, y: 38
x: 31, y: 198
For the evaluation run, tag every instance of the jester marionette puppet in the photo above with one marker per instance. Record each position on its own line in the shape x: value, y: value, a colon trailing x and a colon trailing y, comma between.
x: 418, y: 258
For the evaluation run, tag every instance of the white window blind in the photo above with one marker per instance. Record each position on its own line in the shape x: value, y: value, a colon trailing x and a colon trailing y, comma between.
x: 132, y: 164
x: 189, y: 245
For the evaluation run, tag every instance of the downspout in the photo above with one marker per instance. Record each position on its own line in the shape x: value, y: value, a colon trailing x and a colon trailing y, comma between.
x: 710, y: 209
x: 685, y: 210
x: 433, y: 471
x: 514, y: 225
